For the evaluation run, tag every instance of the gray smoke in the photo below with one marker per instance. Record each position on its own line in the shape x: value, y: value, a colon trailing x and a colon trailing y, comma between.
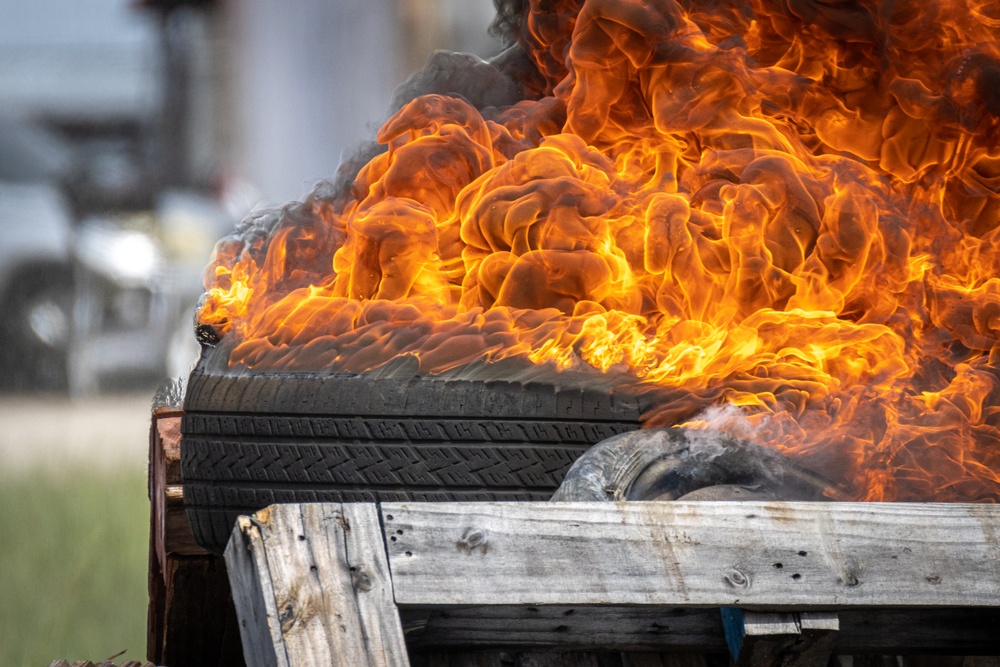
x: 501, y: 81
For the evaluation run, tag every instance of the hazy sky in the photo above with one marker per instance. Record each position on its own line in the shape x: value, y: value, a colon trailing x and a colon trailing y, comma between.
x: 69, y: 56
x: 72, y: 22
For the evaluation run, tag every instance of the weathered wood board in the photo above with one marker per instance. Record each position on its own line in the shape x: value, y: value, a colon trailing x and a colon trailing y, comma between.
x: 170, y: 529
x: 191, y: 618
x: 788, y: 556
x: 312, y: 582
x: 320, y: 582
x: 789, y: 639
x: 651, y: 628
x: 559, y: 627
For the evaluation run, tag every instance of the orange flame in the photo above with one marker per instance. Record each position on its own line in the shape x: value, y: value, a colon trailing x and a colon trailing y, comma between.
x: 795, y: 212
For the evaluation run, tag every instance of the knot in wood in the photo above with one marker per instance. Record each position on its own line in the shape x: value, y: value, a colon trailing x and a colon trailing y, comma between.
x: 362, y: 580
x: 472, y: 538
x: 737, y: 579
x: 287, y: 617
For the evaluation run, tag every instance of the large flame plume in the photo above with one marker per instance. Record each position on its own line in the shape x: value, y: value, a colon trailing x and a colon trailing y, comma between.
x: 792, y: 207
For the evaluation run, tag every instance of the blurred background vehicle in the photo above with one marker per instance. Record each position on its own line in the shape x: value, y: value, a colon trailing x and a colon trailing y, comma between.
x: 134, y: 133
x: 36, y: 271
x: 99, y: 270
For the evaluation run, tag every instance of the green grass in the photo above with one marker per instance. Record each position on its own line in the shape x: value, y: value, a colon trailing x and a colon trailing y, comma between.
x: 73, y: 558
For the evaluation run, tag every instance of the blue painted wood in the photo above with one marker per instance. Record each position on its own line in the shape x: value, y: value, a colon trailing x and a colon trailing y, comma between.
x: 732, y: 623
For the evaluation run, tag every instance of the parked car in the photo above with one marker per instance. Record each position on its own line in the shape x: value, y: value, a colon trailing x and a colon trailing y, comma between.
x: 36, y: 266
x: 99, y: 272
x: 138, y: 278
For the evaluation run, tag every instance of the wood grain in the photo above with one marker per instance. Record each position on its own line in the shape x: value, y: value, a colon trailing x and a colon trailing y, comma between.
x: 786, y: 556
x: 548, y: 627
x: 537, y: 577
x: 369, y: 571
x: 312, y: 587
x: 792, y: 639
x: 254, y: 596
x: 191, y: 618
x: 652, y: 628
x: 171, y: 531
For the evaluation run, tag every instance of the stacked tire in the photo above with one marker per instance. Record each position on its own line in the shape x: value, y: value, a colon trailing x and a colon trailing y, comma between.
x: 255, y: 439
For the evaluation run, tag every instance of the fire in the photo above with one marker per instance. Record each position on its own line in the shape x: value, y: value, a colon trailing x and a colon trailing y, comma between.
x: 793, y: 208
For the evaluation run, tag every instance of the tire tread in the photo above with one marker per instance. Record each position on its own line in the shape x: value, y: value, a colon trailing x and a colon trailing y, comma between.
x: 254, y: 440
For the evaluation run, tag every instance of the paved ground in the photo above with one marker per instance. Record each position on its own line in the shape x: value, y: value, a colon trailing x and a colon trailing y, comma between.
x: 60, y: 435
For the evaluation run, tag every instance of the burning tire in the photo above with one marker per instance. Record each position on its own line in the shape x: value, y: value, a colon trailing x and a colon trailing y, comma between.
x: 253, y: 440
x: 683, y: 464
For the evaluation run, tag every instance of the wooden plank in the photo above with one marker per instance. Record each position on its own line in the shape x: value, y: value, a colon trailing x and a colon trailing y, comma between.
x: 819, y: 632
x: 254, y: 597
x: 171, y: 531
x: 199, y: 621
x: 664, y: 660
x: 557, y: 660
x: 369, y: 567
x: 165, y: 424
x: 541, y: 659
x: 177, y: 537
x: 651, y: 628
x: 174, y: 535
x: 466, y: 660
x: 759, y: 639
x: 776, y: 639
x: 304, y: 548
x: 191, y: 618
x: 942, y: 631
x: 105, y: 663
x: 633, y: 628
x: 323, y: 593
x: 787, y: 556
